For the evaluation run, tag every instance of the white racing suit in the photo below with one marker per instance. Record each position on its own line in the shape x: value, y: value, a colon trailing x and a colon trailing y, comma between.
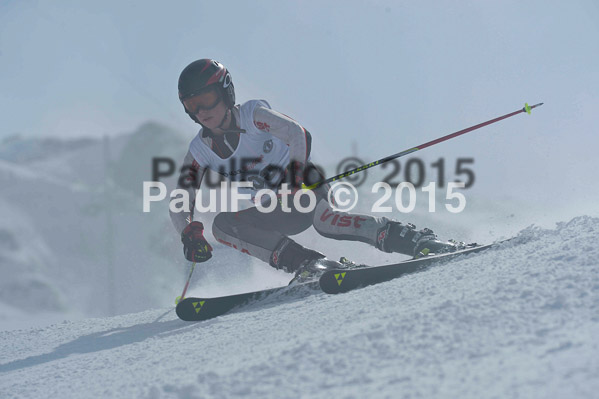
x: 270, y: 138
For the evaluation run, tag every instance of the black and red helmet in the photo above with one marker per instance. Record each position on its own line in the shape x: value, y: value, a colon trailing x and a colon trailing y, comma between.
x: 201, y: 74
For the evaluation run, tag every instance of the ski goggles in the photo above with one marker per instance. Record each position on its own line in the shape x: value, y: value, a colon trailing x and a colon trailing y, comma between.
x: 204, y: 101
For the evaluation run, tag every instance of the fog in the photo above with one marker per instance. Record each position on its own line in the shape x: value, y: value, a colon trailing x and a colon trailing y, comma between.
x: 367, y: 79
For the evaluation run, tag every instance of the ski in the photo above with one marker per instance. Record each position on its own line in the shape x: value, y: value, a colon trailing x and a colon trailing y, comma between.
x: 197, y: 309
x: 336, y: 281
x: 331, y: 282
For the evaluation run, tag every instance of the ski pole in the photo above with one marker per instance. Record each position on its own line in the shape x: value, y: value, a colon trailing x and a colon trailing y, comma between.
x: 381, y: 161
x: 180, y: 298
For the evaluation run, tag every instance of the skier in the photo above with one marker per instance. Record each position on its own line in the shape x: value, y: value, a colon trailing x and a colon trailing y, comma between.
x: 230, y: 135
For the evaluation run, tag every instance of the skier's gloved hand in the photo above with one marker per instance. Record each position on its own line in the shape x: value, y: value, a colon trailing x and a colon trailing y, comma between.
x: 195, y: 246
x: 294, y: 174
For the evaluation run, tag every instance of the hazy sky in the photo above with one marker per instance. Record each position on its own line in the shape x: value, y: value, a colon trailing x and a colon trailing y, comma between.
x: 388, y: 75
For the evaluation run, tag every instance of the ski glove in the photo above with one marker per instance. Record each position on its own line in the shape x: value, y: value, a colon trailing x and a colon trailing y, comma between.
x: 294, y: 174
x: 195, y: 246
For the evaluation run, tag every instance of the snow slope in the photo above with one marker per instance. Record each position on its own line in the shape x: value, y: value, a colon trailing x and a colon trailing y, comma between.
x: 517, y: 321
x: 68, y: 246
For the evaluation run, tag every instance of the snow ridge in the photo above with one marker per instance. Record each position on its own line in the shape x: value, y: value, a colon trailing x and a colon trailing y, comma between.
x: 517, y: 321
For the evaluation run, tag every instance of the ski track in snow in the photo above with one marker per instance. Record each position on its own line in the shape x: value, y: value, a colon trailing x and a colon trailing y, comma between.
x: 520, y: 321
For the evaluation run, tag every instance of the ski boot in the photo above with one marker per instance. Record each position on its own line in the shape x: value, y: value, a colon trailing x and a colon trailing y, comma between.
x: 313, y: 269
x: 436, y: 247
x: 405, y: 239
x: 305, y: 263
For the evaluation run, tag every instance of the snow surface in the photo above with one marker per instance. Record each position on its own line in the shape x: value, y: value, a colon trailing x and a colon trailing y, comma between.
x: 517, y: 321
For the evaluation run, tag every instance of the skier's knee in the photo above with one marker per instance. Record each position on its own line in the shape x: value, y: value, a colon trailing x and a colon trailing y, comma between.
x: 222, y: 224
